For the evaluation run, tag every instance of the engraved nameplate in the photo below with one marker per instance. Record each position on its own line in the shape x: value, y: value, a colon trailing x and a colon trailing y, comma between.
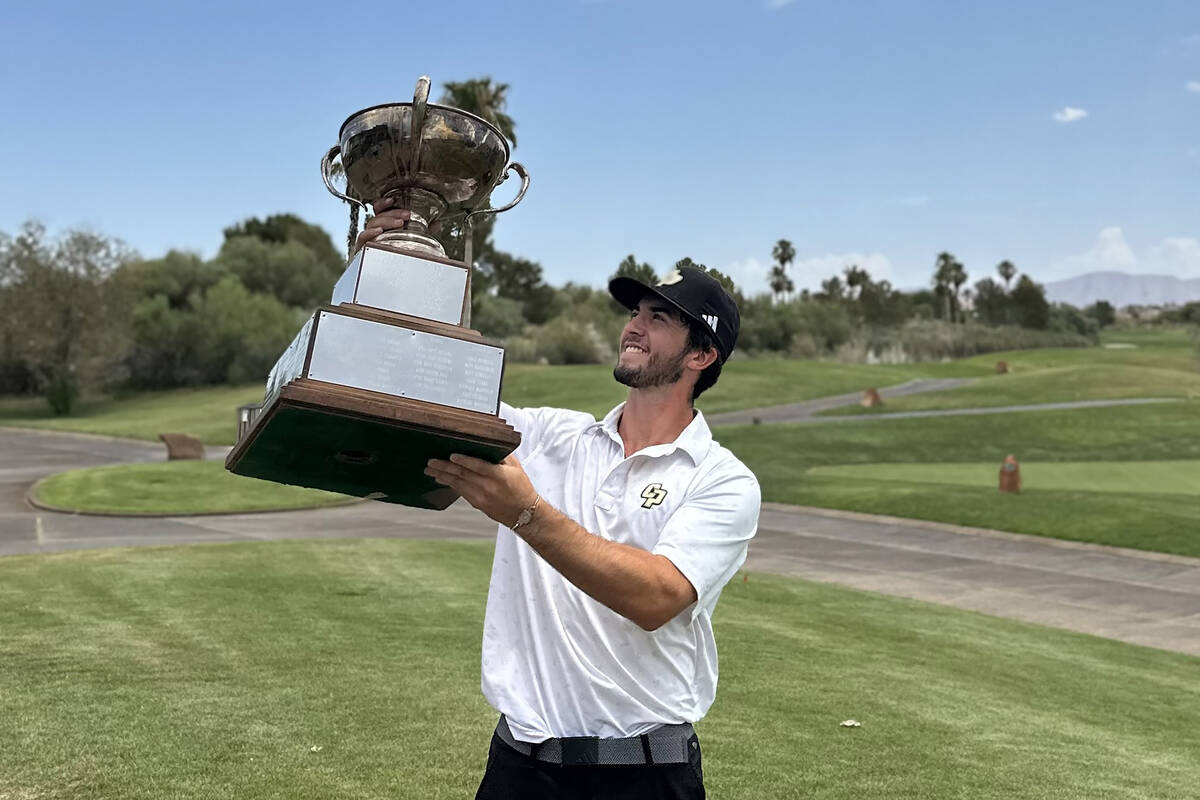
x: 395, y: 360
x: 405, y: 284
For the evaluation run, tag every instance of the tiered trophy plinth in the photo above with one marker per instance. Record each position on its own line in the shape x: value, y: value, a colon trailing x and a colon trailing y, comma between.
x: 366, y: 394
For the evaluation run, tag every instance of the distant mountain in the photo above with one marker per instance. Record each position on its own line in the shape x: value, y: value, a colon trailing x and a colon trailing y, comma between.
x: 1122, y: 289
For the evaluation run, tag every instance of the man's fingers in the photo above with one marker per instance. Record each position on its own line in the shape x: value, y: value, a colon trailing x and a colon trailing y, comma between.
x: 472, y: 464
x: 437, y: 468
x: 384, y: 204
x: 394, y: 218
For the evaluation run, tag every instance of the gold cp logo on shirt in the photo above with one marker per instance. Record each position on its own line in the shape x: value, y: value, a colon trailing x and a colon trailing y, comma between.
x: 653, y: 495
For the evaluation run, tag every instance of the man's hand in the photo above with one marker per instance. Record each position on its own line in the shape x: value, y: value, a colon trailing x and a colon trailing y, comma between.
x: 502, y: 491
x: 387, y: 218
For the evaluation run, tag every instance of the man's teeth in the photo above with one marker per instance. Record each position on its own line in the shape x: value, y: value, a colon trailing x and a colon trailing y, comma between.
x: 629, y: 348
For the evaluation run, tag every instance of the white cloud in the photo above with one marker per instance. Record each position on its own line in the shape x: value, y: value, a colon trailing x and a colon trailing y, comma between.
x: 1193, y: 86
x: 1179, y: 254
x: 913, y: 200
x: 1193, y: 152
x: 749, y: 275
x: 774, y: 4
x: 752, y: 275
x: 1174, y: 255
x: 1069, y: 114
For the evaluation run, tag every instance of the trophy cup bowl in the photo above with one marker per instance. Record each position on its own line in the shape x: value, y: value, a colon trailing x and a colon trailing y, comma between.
x: 435, y: 161
x: 388, y: 375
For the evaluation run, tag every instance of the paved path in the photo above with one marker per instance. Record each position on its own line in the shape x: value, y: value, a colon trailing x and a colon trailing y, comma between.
x: 1144, y: 598
x: 807, y: 412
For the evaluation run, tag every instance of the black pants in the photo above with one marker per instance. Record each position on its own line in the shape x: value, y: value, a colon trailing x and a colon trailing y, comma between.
x: 513, y: 776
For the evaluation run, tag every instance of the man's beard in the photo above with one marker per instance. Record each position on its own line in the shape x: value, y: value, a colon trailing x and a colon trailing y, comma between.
x: 658, y: 371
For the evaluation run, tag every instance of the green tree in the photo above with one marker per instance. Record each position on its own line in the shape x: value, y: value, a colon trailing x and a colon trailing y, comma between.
x: 284, y: 228
x: 481, y: 97
x: 832, y: 290
x: 58, y: 316
x: 1030, y: 307
x: 1103, y: 312
x: 289, y: 271
x: 779, y: 282
x: 177, y: 276
x: 1006, y: 271
x: 226, y: 334
x: 992, y: 303
x: 784, y: 254
x: 856, y: 277
x: 630, y: 268
x: 948, y: 277
x: 957, y: 278
x: 518, y: 279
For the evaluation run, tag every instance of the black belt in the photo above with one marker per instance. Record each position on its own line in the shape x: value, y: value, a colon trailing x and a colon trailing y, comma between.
x: 667, y: 744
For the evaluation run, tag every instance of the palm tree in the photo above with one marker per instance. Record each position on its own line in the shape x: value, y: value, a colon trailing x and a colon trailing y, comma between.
x: 778, y: 281
x: 943, y: 278
x: 784, y: 254
x: 1007, y: 271
x: 856, y: 278
x: 958, y: 276
x: 481, y: 97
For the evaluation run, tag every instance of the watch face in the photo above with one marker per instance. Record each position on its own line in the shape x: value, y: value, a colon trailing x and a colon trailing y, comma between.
x: 524, y: 516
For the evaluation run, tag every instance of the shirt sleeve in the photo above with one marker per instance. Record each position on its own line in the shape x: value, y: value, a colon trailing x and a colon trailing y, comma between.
x: 537, y: 425
x: 708, y: 535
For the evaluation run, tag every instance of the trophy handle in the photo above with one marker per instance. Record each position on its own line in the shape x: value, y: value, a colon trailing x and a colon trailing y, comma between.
x: 327, y: 176
x: 417, y: 123
x: 518, y: 168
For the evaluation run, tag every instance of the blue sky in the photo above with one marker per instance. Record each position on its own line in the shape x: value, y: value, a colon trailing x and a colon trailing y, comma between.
x: 1064, y: 137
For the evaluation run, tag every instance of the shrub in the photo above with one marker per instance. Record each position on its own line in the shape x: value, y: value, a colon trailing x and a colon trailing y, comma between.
x: 566, y: 341
x: 496, y: 317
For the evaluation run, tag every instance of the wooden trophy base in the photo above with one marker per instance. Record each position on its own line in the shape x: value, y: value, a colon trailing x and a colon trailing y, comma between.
x: 364, y: 443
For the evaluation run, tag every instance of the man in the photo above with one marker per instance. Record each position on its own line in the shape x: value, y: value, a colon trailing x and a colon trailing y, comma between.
x: 615, y: 540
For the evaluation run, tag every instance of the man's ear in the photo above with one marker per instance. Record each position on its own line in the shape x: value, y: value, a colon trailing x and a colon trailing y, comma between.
x: 702, y: 359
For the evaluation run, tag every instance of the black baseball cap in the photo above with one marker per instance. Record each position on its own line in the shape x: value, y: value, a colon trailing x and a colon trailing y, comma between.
x: 695, y: 294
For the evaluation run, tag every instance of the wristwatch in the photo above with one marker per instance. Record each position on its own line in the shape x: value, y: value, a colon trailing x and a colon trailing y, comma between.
x: 526, y: 514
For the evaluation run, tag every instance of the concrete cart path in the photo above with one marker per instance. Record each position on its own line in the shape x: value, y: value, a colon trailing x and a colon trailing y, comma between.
x: 1145, y: 598
x: 809, y: 411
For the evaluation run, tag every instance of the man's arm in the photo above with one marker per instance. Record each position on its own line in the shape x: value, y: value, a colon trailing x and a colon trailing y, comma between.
x: 640, y: 586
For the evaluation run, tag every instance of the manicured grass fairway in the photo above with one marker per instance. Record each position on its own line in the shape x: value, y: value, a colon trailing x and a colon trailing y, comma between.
x: 1055, y: 385
x: 209, y: 413
x: 214, y: 672
x: 782, y: 455
x: 1159, y: 364
x: 173, y: 487
x: 1135, y: 477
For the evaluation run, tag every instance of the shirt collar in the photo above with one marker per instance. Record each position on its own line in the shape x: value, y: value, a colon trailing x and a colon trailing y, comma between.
x: 694, y: 440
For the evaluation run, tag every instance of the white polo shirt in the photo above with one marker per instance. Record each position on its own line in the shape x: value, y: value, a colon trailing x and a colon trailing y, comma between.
x: 556, y: 662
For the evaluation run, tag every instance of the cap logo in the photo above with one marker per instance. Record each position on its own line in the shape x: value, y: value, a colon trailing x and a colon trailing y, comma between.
x: 711, y: 319
x: 674, y: 277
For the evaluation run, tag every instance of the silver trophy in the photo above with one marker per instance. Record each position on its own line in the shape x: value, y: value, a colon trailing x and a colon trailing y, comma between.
x: 388, y: 375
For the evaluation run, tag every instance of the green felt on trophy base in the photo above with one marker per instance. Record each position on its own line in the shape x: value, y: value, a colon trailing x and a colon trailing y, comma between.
x: 385, y: 459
